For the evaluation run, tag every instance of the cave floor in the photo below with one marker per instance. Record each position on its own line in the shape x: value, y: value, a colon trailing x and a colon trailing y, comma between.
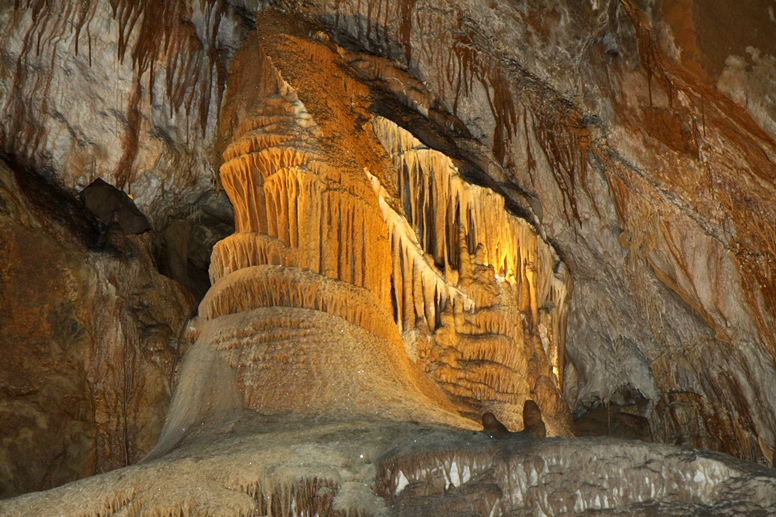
x: 249, y: 464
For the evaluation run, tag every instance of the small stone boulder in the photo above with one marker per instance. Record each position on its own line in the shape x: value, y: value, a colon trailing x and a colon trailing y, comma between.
x: 111, y: 205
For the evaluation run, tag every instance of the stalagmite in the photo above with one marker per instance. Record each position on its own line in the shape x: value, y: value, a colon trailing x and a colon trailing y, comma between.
x: 472, y: 288
x: 300, y: 307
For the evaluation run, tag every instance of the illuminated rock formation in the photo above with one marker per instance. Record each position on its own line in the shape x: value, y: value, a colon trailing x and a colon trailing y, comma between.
x: 315, y: 231
x: 300, y: 304
x: 656, y: 189
x: 473, y: 297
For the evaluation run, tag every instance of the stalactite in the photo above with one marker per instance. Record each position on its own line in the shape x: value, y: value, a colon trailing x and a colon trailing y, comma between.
x: 281, y: 186
x: 461, y: 260
x: 435, y: 196
x: 301, y: 300
x: 156, y: 39
x: 474, y: 284
x: 412, y: 273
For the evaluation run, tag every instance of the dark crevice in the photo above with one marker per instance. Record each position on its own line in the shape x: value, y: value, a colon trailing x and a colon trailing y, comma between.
x: 51, y: 200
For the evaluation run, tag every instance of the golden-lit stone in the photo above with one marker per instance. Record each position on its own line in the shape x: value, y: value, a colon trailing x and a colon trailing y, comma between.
x: 472, y: 289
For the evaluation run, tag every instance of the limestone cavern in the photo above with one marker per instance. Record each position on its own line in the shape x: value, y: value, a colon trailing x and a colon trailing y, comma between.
x: 372, y: 258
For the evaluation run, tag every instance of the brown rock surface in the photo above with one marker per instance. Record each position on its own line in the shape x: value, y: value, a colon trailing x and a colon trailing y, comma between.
x: 88, y: 340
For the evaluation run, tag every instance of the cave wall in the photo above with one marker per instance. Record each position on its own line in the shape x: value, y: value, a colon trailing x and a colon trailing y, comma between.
x: 126, y: 91
x: 89, y: 334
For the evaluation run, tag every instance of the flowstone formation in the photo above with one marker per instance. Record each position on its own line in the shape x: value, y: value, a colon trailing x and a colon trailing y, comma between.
x: 332, y: 286
x: 656, y: 188
x: 258, y: 466
x: 507, y: 285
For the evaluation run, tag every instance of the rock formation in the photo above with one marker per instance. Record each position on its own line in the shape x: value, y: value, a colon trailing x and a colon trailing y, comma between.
x: 316, y: 231
x: 112, y: 206
x: 442, y: 210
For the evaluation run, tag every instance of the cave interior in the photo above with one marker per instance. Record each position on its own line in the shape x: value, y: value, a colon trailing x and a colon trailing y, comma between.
x: 387, y: 257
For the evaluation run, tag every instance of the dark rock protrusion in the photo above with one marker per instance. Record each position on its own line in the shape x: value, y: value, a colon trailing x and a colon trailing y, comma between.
x: 493, y: 427
x: 532, y: 420
x: 111, y: 205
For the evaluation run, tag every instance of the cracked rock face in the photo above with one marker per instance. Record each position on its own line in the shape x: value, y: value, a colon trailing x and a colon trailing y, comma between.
x: 566, y: 202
